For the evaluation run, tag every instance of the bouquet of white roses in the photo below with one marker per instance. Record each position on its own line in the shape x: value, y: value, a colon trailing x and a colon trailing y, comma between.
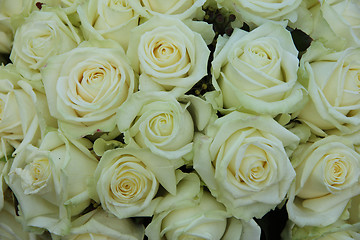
x: 180, y: 119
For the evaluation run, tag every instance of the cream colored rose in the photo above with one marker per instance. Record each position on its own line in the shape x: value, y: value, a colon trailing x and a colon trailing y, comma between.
x: 258, y: 12
x: 127, y: 180
x: 336, y: 23
x: 339, y: 230
x: 346, y: 227
x: 327, y: 177
x: 194, y: 214
x: 332, y: 80
x: 85, y: 87
x: 181, y: 9
x: 100, y: 225
x: 23, y: 112
x: 50, y: 182
x: 243, y: 161
x: 108, y: 19
x: 8, y: 9
x: 159, y: 122
x: 168, y: 55
x: 42, y: 35
x: 257, y: 71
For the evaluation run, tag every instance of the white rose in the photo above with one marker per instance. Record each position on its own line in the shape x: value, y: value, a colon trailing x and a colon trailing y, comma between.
x: 8, y: 9
x: 181, y: 9
x: 337, y: 231
x: 100, y: 225
x: 108, y: 19
x: 10, y: 228
x: 86, y: 85
x: 332, y: 80
x: 336, y: 23
x: 127, y: 180
x: 243, y: 162
x: 194, y: 214
x: 346, y: 227
x: 257, y: 71
x: 327, y: 177
x: 42, y: 35
x: 50, y: 182
x: 23, y: 112
x: 258, y: 12
x: 168, y: 55
x: 156, y: 120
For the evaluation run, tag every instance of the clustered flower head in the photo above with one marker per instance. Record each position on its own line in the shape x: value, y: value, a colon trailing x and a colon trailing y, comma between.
x: 181, y: 119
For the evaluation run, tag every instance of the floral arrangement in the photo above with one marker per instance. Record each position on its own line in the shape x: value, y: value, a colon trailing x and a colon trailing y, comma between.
x: 180, y: 119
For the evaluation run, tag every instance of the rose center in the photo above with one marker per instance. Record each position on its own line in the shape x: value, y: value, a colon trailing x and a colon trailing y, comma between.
x: 257, y: 171
x: 35, y: 175
x: 259, y: 54
x: 253, y: 169
x: 163, y: 51
x: 95, y: 80
x: 162, y: 124
x: 129, y: 184
x: 40, y: 45
x: 336, y: 171
x: 127, y: 187
x: 95, y: 75
x: 262, y: 54
x: 40, y: 170
x: 90, y: 83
